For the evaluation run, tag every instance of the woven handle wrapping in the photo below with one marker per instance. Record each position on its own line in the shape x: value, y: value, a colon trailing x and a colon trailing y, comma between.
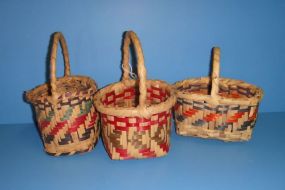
x: 58, y: 37
x: 131, y: 37
x: 215, y: 72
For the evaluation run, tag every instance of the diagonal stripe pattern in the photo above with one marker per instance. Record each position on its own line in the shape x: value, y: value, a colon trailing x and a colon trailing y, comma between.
x: 74, y: 130
x: 199, y: 118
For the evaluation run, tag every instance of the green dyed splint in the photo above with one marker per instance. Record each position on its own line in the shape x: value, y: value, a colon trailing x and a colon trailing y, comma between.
x: 67, y: 114
x: 50, y: 116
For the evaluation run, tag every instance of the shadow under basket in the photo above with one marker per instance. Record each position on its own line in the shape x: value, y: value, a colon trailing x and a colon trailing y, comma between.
x: 65, y: 111
x: 218, y: 108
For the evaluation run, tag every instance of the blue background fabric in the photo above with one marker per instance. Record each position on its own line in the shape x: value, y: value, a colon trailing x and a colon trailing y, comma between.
x: 177, y: 37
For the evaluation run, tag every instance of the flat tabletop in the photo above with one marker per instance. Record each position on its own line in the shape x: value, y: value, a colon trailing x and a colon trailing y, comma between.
x: 192, y: 163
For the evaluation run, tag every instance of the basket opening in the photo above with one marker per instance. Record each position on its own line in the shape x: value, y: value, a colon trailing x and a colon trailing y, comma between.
x: 129, y: 97
x: 72, y: 85
x: 227, y: 91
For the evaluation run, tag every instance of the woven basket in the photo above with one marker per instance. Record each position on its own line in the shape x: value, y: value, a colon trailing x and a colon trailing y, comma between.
x: 66, y: 115
x: 218, y: 108
x: 135, y: 114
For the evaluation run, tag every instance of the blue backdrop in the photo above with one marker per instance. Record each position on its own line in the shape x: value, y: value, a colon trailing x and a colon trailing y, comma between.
x: 177, y: 37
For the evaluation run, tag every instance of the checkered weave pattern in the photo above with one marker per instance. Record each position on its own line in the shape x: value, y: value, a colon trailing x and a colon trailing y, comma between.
x: 136, y: 137
x: 135, y: 114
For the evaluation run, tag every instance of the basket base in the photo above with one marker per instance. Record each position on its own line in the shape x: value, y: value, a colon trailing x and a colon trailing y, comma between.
x: 227, y: 136
x: 63, y: 151
x: 136, y: 158
x: 71, y: 153
x: 125, y: 154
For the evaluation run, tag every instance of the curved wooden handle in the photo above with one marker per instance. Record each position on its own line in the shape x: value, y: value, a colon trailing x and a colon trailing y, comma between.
x: 216, y: 53
x: 58, y: 37
x: 131, y: 37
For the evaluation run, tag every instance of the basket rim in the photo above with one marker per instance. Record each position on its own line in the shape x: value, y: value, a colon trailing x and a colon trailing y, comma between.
x: 218, y: 99
x: 31, y: 95
x: 137, y: 111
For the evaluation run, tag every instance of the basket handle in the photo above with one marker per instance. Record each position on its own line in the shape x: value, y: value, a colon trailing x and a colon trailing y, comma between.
x: 58, y: 37
x: 131, y: 37
x: 215, y: 71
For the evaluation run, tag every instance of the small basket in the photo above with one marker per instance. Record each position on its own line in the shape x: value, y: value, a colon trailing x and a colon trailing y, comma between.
x: 66, y: 116
x: 228, y: 113
x: 135, y: 114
